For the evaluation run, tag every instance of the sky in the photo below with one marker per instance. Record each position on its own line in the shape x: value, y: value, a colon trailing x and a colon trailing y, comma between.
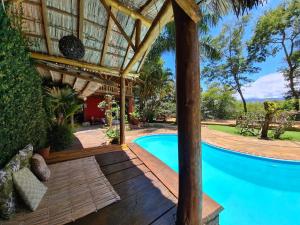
x: 269, y: 68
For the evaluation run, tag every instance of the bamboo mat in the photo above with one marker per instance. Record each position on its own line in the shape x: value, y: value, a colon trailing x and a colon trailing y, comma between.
x: 76, y: 188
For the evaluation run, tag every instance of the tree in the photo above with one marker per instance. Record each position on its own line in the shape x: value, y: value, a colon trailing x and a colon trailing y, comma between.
x: 218, y: 102
x: 156, y: 87
x: 277, y: 30
x: 211, y: 11
x: 233, y: 67
x: 271, y: 108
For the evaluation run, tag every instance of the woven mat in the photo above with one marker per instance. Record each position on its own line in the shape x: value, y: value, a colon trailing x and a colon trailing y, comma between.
x: 76, y: 188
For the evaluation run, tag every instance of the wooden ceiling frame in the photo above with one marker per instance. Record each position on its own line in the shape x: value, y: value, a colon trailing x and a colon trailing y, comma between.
x: 162, y: 18
x: 83, y: 65
x: 80, y: 18
x: 106, y: 39
x: 112, y: 16
x: 44, y: 15
x: 132, y: 13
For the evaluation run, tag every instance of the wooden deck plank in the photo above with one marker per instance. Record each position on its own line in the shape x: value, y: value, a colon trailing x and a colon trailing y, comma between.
x: 114, y: 157
x: 139, y: 209
x: 147, y: 187
x: 61, y: 156
x: 127, y: 174
x: 121, y: 166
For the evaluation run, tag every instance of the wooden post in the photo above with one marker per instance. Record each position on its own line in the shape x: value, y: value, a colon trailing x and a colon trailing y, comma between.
x: 122, y: 109
x: 189, y: 210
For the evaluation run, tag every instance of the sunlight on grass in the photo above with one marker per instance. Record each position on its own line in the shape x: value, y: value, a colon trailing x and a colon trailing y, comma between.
x: 288, y: 135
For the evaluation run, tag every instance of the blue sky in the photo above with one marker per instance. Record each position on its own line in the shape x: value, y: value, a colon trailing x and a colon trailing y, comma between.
x: 269, y: 68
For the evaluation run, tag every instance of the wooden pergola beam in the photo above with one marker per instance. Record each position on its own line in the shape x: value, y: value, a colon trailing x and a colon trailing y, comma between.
x: 138, y: 28
x: 80, y: 19
x: 106, y: 39
x: 70, y: 62
x: 46, y: 26
x: 163, y: 17
x: 110, y: 13
x: 132, y: 13
x: 146, y: 6
x: 74, y: 74
x: 190, y: 8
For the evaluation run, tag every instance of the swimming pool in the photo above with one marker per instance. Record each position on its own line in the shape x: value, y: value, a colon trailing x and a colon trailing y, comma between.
x: 252, y: 190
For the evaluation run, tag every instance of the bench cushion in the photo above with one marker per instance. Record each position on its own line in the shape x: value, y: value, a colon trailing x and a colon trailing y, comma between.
x: 29, y: 187
x: 7, y: 193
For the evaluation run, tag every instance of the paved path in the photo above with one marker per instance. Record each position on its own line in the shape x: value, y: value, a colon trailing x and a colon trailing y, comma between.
x: 289, y: 150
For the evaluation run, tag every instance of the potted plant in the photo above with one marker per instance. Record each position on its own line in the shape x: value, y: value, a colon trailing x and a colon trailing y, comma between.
x: 134, y: 118
x: 45, y: 152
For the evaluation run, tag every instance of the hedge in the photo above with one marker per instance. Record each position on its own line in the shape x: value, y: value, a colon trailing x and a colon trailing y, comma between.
x: 22, y: 117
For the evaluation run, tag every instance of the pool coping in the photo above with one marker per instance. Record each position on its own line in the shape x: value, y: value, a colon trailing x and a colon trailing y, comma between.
x: 233, y: 151
x: 211, y: 209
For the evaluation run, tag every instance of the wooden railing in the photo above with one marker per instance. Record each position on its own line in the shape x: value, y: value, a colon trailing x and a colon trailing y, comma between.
x: 109, y: 89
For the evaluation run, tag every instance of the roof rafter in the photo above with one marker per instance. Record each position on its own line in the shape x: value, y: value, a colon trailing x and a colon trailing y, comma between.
x: 132, y: 13
x: 86, y: 77
x: 83, y: 65
x: 46, y: 26
x: 80, y: 18
x: 162, y: 18
x: 110, y: 13
x: 106, y: 40
x: 146, y: 6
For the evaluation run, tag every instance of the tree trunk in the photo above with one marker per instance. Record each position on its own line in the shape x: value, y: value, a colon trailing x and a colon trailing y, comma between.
x: 265, y: 126
x: 294, y: 92
x: 244, y: 101
x: 189, y: 210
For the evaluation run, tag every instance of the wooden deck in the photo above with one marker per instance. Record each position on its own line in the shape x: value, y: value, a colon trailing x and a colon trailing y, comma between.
x: 147, y: 187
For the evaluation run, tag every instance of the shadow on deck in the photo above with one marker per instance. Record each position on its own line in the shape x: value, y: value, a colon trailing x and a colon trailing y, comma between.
x: 144, y: 199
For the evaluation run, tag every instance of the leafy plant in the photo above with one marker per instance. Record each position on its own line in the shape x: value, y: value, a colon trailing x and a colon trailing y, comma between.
x: 271, y: 109
x: 217, y: 102
x: 112, y: 109
x: 60, y: 136
x: 248, y: 123
x: 64, y: 103
x: 22, y: 117
x: 114, y: 135
x: 283, y: 120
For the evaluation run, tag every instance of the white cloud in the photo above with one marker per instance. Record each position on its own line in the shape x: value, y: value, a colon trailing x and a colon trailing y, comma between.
x: 269, y: 86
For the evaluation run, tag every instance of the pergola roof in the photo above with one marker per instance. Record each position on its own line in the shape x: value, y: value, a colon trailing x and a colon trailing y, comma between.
x: 117, y: 34
x: 110, y: 30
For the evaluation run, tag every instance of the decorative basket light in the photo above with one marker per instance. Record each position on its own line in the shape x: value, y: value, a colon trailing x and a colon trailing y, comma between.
x: 71, y: 47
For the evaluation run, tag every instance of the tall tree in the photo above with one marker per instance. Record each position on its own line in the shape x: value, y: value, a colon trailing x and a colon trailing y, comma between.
x: 211, y: 11
x: 156, y: 87
x: 233, y: 67
x: 277, y: 30
x: 218, y: 102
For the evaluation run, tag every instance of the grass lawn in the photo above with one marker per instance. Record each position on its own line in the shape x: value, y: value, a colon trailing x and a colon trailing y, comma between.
x: 288, y: 135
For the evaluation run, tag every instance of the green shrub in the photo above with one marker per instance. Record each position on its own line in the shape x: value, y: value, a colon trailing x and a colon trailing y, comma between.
x: 60, y: 136
x: 22, y: 117
x: 113, y: 135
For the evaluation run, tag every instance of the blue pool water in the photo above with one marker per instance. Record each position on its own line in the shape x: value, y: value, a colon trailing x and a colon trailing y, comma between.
x: 252, y: 190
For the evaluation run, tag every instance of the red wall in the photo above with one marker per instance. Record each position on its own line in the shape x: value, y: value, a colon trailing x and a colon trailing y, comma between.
x: 91, y: 108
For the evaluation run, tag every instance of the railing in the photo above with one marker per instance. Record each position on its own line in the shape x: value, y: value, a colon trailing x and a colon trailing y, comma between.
x: 109, y: 89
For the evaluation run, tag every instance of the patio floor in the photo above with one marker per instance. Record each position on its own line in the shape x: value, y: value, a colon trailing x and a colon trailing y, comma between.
x: 289, y: 150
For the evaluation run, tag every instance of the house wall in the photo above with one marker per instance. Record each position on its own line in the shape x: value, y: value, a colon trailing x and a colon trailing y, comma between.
x: 91, y: 109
